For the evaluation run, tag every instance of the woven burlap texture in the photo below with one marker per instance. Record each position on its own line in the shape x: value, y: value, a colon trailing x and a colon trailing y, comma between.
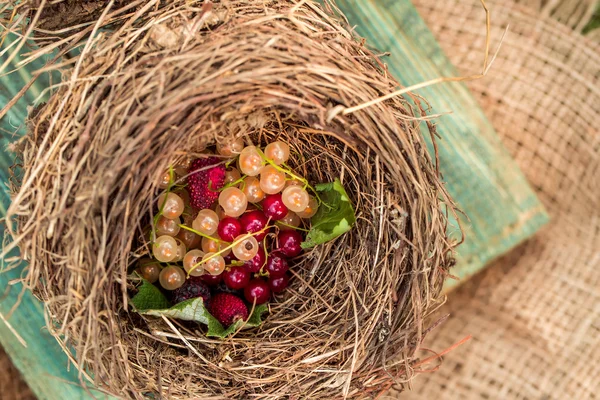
x: 535, y: 313
x: 12, y: 386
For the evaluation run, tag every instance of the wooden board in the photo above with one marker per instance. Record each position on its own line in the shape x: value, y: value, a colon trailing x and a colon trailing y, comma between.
x: 482, y: 177
x: 480, y: 174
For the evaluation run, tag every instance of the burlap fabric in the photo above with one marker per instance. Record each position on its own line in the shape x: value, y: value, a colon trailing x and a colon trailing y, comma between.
x: 12, y: 386
x: 535, y: 313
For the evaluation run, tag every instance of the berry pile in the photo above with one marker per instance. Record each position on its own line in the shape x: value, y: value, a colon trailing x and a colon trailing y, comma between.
x: 228, y: 234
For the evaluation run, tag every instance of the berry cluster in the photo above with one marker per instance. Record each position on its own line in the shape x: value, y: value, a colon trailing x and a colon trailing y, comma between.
x: 230, y: 233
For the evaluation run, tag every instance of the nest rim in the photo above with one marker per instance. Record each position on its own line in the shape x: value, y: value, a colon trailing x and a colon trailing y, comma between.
x: 392, y: 147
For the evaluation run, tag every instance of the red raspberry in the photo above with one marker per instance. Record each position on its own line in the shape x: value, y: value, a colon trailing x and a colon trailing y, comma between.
x: 204, y: 185
x: 228, y: 308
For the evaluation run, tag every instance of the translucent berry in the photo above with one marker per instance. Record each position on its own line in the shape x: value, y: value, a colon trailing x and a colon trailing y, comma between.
x: 230, y: 149
x: 278, y: 152
x: 295, y: 198
x: 189, y: 238
x: 206, y: 222
x: 290, y: 221
x: 257, y: 291
x: 185, y: 196
x: 273, y: 207
x: 233, y: 201
x: 166, y: 226
x: 232, y: 175
x: 236, y: 277
x: 289, y: 243
x: 229, y: 228
x: 182, y: 168
x: 293, y: 182
x: 250, y: 162
x: 252, y: 190
x: 215, y: 246
x: 164, y: 180
x: 181, y: 250
x: 164, y: 249
x: 171, y: 205
x: 271, y: 180
x: 310, y: 210
x: 171, y: 277
x: 254, y: 221
x: 148, y: 269
x: 220, y: 212
x: 245, y: 247
x: 191, y: 262
x: 213, y: 264
x: 279, y: 283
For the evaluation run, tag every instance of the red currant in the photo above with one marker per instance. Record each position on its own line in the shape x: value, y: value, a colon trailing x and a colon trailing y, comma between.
x: 274, y: 208
x: 229, y: 259
x: 276, y: 265
x: 212, y: 280
x: 254, y: 221
x: 279, y: 283
x: 289, y: 243
x: 256, y: 263
x: 257, y: 290
x: 236, y: 277
x: 229, y: 228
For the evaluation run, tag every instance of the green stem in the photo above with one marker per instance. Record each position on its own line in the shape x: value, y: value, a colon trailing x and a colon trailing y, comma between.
x: 231, y: 161
x: 237, y: 263
x: 231, y: 246
x: 204, y: 235
x: 279, y: 168
x: 234, y: 183
x: 293, y: 227
x: 287, y: 170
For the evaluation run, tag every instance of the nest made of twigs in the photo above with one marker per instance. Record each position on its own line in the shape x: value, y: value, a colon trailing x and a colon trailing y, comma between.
x: 162, y: 81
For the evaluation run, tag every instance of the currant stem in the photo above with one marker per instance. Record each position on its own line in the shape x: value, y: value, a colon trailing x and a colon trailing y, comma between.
x: 237, y: 182
x: 287, y: 170
x: 202, y: 234
x: 293, y: 227
x: 231, y: 161
x: 233, y: 244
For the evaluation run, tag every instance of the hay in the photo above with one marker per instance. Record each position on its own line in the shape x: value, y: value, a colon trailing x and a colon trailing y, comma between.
x: 165, y: 81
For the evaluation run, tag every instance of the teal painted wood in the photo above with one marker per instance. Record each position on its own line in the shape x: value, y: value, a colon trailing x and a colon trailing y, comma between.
x: 481, y: 175
x: 44, y: 365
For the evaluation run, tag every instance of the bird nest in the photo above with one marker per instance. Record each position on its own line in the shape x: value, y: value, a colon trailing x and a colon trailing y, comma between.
x: 156, y: 81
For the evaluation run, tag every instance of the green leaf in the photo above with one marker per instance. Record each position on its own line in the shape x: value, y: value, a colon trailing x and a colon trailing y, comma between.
x: 334, y: 217
x: 149, y: 297
x: 151, y: 301
x: 189, y: 310
x: 215, y: 328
